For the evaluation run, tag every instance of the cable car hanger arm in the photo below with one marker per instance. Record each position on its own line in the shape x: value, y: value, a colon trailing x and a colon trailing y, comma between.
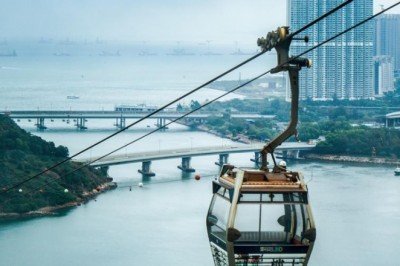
x: 281, y: 40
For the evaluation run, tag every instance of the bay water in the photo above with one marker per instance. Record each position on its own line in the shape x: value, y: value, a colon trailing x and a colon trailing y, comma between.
x: 356, y: 207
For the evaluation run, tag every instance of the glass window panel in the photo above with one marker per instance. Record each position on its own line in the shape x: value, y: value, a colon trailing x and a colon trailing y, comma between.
x: 247, y: 217
x: 270, y: 215
x: 221, y: 211
x: 299, y: 220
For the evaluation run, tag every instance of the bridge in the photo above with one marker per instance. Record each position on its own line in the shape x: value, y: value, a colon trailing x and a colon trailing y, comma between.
x: 81, y: 117
x: 288, y: 149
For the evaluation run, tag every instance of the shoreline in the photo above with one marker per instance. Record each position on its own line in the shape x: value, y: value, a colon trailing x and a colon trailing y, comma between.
x: 352, y: 159
x: 313, y: 156
x: 54, y: 210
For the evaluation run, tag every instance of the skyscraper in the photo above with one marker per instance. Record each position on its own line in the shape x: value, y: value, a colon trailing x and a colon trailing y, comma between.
x: 342, y: 68
x: 387, y: 37
x: 383, y: 74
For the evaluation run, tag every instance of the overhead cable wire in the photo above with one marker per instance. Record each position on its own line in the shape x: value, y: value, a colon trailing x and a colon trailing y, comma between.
x: 244, y: 84
x: 226, y: 93
x: 322, y: 17
x: 174, y: 101
x: 346, y: 30
x: 158, y: 129
x: 134, y: 123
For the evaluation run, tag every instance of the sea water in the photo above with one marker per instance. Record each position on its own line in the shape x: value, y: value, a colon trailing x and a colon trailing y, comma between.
x: 163, y: 222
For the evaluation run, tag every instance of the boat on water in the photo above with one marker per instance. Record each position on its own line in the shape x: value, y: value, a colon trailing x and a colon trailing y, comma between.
x: 61, y: 54
x: 13, y: 53
x: 397, y: 171
x: 105, y: 53
x: 180, y: 52
x: 72, y: 97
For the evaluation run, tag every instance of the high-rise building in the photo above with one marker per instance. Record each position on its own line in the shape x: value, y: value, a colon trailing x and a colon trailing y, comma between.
x: 387, y: 37
x: 383, y: 75
x: 342, y: 68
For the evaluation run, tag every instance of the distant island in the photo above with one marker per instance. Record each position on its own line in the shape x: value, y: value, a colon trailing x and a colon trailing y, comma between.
x: 22, y: 156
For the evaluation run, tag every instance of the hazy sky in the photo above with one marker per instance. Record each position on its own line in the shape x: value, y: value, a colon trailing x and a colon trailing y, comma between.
x: 144, y: 20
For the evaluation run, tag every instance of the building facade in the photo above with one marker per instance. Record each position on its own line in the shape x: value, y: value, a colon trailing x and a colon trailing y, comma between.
x: 387, y: 38
x: 383, y: 74
x: 342, y: 68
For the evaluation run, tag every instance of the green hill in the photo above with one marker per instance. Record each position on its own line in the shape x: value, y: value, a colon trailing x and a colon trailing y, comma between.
x: 22, y: 156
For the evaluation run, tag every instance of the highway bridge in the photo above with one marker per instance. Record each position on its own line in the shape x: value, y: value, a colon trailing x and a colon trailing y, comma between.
x: 81, y: 117
x: 288, y: 149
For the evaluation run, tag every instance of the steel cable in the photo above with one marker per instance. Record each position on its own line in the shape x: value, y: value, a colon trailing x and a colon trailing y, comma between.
x: 187, y: 94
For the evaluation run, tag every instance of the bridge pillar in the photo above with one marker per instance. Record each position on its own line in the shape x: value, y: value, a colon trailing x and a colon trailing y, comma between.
x: 294, y: 154
x: 160, y: 122
x: 120, y: 122
x: 223, y: 159
x: 40, y: 123
x: 185, y: 165
x: 146, y: 171
x: 80, y: 123
x: 256, y: 158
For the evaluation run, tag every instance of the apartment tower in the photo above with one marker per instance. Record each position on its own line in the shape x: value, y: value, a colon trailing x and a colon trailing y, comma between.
x: 342, y: 68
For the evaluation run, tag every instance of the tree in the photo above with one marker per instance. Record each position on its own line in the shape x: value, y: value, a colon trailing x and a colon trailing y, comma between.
x: 194, y: 104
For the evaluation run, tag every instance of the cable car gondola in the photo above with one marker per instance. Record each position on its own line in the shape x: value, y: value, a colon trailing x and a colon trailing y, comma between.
x: 263, y: 216
x: 260, y: 217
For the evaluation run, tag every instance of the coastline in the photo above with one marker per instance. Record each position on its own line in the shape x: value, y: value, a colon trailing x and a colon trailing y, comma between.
x: 352, y: 159
x: 54, y: 210
x: 313, y: 156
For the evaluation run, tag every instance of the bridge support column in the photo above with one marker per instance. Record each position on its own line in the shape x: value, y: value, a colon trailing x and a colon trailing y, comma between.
x: 146, y: 170
x: 160, y: 122
x: 40, y: 123
x: 293, y: 154
x: 120, y: 122
x: 185, y: 166
x: 256, y: 158
x: 284, y: 154
x: 223, y: 159
x: 80, y: 123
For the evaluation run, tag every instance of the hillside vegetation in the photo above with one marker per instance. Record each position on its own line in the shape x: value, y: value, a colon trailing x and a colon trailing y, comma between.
x: 22, y: 156
x: 340, y: 122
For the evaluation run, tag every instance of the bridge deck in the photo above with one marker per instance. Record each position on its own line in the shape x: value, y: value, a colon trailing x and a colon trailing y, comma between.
x: 115, y: 114
x: 190, y: 152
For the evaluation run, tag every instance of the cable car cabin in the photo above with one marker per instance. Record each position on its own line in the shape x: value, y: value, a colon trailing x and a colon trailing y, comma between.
x: 260, y: 217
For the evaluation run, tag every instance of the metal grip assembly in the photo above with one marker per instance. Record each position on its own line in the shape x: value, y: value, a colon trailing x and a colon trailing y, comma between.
x: 273, y: 38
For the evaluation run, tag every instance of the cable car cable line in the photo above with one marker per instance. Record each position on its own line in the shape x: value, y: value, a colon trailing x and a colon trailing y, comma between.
x: 198, y: 88
x: 321, y: 17
x: 132, y: 124
x: 157, y: 129
x: 221, y: 96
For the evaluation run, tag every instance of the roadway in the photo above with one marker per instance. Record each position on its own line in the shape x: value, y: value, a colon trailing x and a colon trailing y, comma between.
x: 190, y: 152
x: 81, y: 117
x: 115, y: 114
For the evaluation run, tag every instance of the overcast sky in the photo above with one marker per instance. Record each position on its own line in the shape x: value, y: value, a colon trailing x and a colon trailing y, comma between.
x: 145, y: 20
